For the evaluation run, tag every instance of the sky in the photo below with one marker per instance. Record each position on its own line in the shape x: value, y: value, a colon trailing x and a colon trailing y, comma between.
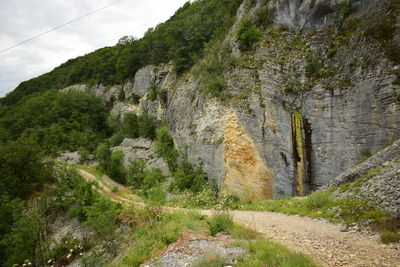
x: 24, y: 19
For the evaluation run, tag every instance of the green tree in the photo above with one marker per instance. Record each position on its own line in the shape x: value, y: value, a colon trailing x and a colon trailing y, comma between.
x: 23, y: 170
x: 101, y: 217
x: 164, y: 146
x: 247, y: 35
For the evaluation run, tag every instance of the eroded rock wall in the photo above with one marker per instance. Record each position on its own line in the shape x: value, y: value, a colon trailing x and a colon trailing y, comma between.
x: 283, y: 131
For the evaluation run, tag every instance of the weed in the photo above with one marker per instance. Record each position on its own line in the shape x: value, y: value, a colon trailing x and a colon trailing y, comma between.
x: 389, y: 237
x: 220, y: 222
x: 242, y: 233
x: 366, y: 153
x: 318, y: 200
x: 267, y: 253
x: 115, y: 189
x: 331, y: 52
x: 263, y: 17
x: 210, y: 260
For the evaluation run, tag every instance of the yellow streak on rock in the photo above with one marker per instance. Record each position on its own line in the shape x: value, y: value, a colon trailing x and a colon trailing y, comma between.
x: 247, y: 174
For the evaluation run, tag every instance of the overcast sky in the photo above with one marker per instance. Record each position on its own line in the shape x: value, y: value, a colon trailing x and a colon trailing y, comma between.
x: 23, y: 19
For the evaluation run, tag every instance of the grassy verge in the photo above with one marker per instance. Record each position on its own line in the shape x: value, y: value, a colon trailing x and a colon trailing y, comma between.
x: 349, y: 210
x: 153, y: 230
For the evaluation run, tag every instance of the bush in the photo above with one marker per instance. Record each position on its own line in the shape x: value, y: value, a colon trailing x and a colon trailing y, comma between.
x: 116, y: 169
x: 247, y: 35
x: 312, y: 66
x: 318, y: 200
x: 219, y: 223
x: 331, y: 52
x: 187, y: 177
x: 343, y: 11
x: 152, y: 177
x: 382, y: 29
x: 263, y: 17
x: 230, y: 202
x: 366, y: 153
x: 164, y: 146
x: 101, y: 217
x: 135, y: 173
x: 153, y: 91
x: 389, y: 237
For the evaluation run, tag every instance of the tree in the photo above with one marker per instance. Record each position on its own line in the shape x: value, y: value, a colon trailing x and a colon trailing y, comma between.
x: 247, y: 35
x: 23, y: 170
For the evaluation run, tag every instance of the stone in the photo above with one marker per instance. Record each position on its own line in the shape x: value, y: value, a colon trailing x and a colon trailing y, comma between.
x: 70, y: 157
x: 140, y: 143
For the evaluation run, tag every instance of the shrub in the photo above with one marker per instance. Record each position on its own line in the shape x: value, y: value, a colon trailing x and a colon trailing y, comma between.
x: 313, y: 65
x: 116, y: 168
x: 318, y: 200
x: 220, y: 222
x: 343, y: 11
x: 382, y: 29
x: 247, y: 35
x: 263, y: 17
x: 366, y: 153
x: 101, y: 217
x: 230, y: 202
x: 164, y: 146
x: 208, y: 196
x: 135, y: 173
x: 121, y: 95
x: 153, y: 91
x: 331, y: 52
x: 188, y: 177
x: 389, y: 237
x: 130, y: 125
x: 152, y: 177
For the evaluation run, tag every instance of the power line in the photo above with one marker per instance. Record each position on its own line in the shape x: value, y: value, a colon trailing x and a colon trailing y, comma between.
x: 60, y: 26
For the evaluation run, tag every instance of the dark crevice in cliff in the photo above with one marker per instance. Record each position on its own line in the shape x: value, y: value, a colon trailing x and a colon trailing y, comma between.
x: 308, y: 153
x: 302, y: 154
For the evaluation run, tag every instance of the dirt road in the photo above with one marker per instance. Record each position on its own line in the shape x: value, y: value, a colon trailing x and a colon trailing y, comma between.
x: 323, y: 242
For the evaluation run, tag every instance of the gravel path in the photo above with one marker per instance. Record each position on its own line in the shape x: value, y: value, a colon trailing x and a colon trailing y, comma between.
x: 323, y: 242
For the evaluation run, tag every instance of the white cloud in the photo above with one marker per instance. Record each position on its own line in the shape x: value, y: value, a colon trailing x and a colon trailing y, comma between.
x: 20, y: 20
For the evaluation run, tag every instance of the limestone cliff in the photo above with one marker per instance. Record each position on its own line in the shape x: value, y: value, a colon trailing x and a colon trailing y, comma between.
x: 313, y: 95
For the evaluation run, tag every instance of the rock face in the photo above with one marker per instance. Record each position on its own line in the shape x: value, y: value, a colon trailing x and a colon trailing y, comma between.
x: 380, y: 183
x: 390, y: 153
x: 302, y: 107
x: 141, y: 149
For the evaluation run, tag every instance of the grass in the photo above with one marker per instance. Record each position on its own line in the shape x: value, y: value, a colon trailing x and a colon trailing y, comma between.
x: 347, y: 210
x: 219, y: 223
x: 390, y: 237
x: 267, y: 253
x: 154, y: 232
x: 210, y: 260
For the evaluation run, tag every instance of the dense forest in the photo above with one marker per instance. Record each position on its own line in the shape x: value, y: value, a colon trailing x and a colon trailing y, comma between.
x: 37, y: 122
x: 182, y: 40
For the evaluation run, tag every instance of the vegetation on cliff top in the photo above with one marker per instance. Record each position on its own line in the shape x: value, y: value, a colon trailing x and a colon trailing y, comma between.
x: 181, y: 40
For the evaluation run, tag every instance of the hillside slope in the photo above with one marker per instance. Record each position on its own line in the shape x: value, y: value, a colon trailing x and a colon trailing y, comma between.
x: 295, y: 93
